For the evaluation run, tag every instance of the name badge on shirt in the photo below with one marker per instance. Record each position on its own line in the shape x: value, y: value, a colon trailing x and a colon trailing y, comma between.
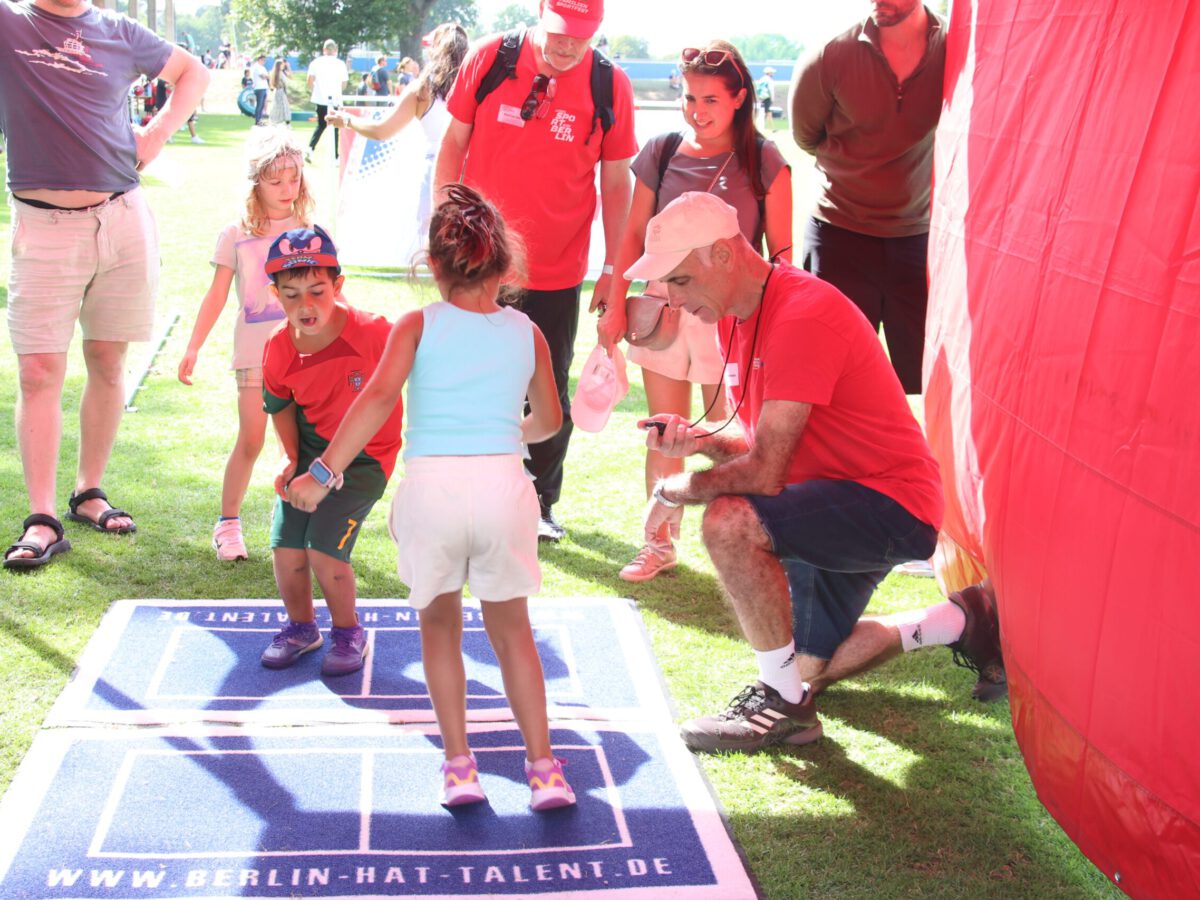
x: 510, y: 115
x: 731, y: 374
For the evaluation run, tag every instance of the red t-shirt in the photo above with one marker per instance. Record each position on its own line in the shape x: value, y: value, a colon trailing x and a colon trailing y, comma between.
x: 815, y: 346
x: 325, y: 383
x: 541, y: 173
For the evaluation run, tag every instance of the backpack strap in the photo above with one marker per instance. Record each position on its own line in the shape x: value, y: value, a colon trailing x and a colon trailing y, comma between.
x: 602, y: 92
x: 504, y: 64
x: 669, y: 145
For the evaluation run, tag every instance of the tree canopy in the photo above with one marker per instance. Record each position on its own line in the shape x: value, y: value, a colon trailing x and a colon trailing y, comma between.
x: 304, y: 25
x: 513, y: 15
x: 627, y: 46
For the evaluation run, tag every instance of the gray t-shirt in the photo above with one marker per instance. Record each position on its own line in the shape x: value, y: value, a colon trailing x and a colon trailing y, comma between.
x: 692, y: 173
x: 64, y: 96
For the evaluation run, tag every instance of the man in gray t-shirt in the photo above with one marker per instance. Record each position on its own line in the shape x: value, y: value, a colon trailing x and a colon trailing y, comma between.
x: 84, y: 247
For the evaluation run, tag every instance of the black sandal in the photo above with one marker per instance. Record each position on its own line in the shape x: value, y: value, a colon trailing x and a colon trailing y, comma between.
x: 111, y: 513
x: 60, y: 544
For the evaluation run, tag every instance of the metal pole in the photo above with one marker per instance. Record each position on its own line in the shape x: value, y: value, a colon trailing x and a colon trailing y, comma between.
x: 145, y: 370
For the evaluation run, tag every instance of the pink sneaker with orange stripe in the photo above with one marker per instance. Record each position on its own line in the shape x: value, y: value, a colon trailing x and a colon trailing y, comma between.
x: 548, y: 786
x: 460, y: 782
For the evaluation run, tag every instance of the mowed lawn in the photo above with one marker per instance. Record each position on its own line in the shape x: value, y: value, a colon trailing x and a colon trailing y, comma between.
x: 916, y: 790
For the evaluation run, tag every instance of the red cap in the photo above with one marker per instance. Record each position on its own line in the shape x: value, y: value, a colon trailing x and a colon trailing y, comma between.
x: 575, y: 18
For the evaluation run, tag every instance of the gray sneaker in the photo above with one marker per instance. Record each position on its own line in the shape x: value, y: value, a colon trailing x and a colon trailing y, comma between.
x: 296, y: 639
x: 348, y: 651
x: 756, y: 718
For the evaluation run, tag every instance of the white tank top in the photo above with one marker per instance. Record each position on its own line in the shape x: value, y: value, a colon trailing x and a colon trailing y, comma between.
x: 434, y: 123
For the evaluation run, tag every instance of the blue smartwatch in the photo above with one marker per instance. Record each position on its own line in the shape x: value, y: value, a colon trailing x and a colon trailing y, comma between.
x: 323, y: 475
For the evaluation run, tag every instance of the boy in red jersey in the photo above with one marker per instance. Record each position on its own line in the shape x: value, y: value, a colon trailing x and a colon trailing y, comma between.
x: 313, y: 368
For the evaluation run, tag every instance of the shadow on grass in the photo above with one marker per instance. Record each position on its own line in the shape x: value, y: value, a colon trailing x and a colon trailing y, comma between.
x: 4, y: 296
x: 36, y: 645
x: 683, y: 596
x: 943, y: 817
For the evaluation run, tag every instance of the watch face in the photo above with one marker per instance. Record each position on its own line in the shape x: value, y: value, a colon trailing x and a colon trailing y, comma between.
x: 320, y: 473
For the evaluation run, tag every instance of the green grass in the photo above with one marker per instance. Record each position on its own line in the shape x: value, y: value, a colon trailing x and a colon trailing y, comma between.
x: 915, y: 791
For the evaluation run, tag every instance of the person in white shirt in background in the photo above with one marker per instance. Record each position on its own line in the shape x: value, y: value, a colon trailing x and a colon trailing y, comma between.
x: 327, y: 77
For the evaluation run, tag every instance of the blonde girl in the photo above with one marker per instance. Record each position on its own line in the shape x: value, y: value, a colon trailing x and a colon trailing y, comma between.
x: 277, y: 199
x: 466, y: 511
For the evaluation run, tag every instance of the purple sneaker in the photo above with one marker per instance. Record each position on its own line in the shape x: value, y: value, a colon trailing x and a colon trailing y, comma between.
x: 460, y: 782
x: 296, y: 639
x: 348, y: 652
x: 548, y: 787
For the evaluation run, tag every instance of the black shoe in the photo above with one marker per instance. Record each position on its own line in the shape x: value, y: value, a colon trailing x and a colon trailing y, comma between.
x: 548, y: 527
x: 979, y: 647
x: 757, y: 717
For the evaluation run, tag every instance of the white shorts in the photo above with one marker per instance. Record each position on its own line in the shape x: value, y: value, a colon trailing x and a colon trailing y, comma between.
x: 694, y: 356
x: 98, y: 266
x: 466, y: 520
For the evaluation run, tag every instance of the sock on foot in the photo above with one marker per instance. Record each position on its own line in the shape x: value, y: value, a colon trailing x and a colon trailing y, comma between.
x: 933, y: 626
x: 777, y: 668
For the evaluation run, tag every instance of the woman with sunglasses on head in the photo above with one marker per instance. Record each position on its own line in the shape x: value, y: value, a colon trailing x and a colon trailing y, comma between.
x: 722, y: 152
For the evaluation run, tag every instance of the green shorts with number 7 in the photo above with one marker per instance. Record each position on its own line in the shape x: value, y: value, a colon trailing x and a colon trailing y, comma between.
x: 334, y: 527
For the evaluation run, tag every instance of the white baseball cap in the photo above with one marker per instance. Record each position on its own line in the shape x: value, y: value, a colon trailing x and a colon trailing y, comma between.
x: 692, y: 220
x: 602, y: 385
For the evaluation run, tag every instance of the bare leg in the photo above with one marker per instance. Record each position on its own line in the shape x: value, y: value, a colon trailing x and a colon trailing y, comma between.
x: 508, y: 629
x: 870, y: 644
x: 664, y: 395
x: 252, y: 429
x: 718, y: 411
x: 295, y: 583
x: 751, y: 574
x: 39, y: 434
x: 337, y: 584
x: 445, y: 675
x: 100, y: 412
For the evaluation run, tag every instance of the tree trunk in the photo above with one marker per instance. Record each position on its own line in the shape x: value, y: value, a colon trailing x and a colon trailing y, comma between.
x: 152, y: 15
x: 169, y: 20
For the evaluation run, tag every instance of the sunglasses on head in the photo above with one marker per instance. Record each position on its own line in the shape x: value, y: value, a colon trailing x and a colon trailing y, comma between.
x: 534, y: 105
x: 712, y: 59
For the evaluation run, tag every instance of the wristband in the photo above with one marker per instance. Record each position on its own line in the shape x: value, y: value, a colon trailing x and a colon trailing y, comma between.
x: 323, y: 475
x: 657, y: 494
x: 607, y: 270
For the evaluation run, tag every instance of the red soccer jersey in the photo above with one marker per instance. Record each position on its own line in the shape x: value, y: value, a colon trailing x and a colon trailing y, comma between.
x: 325, y: 383
x: 815, y: 346
x: 541, y: 173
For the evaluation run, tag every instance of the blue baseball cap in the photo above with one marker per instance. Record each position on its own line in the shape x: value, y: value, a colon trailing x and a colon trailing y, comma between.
x: 302, y: 248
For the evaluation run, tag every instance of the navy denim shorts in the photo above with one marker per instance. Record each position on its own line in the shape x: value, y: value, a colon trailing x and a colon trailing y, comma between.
x: 837, y: 540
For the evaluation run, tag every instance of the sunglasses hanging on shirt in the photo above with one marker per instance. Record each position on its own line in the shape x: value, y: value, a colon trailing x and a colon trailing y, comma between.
x: 540, y: 95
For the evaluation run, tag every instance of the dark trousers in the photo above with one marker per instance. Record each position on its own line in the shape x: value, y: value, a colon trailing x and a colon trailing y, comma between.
x: 886, y: 278
x: 260, y: 104
x: 556, y: 313
x: 312, y: 145
x: 837, y: 540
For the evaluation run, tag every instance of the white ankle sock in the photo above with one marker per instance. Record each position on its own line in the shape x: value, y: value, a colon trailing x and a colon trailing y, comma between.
x: 929, y: 627
x: 777, y: 668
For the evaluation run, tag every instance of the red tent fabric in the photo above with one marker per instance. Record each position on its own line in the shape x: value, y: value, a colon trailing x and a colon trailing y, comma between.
x: 1062, y: 370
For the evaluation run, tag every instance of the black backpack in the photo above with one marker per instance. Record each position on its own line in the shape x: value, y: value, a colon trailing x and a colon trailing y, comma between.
x: 671, y: 143
x: 505, y: 66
